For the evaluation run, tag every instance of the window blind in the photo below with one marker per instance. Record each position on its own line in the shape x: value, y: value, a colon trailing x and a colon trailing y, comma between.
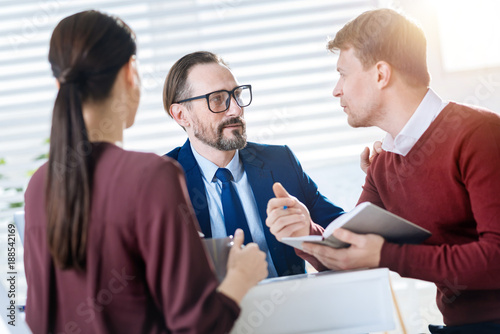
x: 277, y: 46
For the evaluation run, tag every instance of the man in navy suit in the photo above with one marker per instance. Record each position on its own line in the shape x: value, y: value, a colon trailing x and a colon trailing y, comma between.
x: 203, y: 97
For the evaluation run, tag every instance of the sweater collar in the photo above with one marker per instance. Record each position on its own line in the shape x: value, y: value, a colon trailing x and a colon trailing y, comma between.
x: 424, y: 115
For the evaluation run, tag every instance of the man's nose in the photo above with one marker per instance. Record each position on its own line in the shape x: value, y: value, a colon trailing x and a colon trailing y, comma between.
x: 337, y: 91
x: 234, y: 109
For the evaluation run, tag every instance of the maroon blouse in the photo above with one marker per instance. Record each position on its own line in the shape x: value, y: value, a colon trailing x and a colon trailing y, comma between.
x: 146, y: 272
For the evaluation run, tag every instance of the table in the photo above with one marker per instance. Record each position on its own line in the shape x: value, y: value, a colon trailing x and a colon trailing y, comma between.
x: 328, y: 302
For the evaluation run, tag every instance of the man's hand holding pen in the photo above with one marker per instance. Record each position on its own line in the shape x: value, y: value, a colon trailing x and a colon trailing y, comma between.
x: 287, y: 216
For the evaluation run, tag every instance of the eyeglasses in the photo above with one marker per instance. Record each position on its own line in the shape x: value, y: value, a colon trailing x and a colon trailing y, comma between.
x: 220, y: 100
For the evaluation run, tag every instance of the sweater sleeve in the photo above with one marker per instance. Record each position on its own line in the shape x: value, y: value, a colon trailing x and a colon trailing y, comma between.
x: 370, y: 193
x: 179, y: 277
x: 474, y: 265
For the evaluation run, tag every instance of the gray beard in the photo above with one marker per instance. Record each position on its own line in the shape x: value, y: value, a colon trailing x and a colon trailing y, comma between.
x: 219, y: 142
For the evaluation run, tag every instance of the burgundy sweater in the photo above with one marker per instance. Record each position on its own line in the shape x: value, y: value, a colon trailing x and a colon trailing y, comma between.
x: 449, y: 183
x: 147, y: 271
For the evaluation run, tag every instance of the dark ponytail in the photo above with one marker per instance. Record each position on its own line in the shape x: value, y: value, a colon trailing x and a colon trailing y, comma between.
x: 86, y: 52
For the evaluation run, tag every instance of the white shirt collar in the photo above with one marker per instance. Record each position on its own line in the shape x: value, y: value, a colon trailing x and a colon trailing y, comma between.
x: 427, y: 111
x: 208, y: 168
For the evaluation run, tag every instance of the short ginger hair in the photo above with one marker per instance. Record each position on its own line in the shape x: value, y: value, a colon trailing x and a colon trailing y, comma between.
x: 386, y: 35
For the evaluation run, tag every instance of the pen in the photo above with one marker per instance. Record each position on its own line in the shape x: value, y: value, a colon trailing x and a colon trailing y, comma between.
x: 285, y: 207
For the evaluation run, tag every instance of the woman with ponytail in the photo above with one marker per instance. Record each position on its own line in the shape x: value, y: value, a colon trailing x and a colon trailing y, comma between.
x: 111, y: 241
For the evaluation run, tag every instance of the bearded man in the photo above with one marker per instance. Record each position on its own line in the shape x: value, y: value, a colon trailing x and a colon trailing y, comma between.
x: 229, y: 180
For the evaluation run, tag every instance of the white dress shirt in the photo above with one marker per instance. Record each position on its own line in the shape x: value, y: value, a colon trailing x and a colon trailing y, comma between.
x: 427, y: 111
x: 213, y: 188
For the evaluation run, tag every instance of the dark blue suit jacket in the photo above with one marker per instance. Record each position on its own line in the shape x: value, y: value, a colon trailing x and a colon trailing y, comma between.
x: 264, y: 165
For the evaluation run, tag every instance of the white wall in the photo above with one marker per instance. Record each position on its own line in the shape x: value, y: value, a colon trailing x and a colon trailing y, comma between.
x: 480, y: 87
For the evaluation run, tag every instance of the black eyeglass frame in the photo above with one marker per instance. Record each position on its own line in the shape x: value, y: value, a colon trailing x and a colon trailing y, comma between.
x: 228, y: 102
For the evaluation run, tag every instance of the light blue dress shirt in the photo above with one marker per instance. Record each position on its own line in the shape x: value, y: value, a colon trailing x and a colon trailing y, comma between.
x: 213, y: 188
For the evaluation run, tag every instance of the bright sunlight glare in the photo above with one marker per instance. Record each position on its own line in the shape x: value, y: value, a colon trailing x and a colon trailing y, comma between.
x: 469, y: 31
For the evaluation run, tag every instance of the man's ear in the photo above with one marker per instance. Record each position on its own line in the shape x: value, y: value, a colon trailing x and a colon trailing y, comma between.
x: 180, y: 114
x: 384, y: 74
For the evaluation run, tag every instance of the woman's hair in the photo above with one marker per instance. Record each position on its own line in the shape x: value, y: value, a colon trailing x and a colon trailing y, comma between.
x: 176, y: 85
x: 385, y: 35
x: 87, y: 50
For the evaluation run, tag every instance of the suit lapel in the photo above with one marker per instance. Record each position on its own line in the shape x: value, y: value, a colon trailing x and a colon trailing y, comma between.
x: 261, y: 180
x: 196, y: 188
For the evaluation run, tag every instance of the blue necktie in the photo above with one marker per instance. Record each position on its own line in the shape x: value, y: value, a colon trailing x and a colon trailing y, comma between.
x: 234, y: 216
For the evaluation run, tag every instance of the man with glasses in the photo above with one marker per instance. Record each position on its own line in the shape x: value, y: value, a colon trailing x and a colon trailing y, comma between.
x: 229, y: 180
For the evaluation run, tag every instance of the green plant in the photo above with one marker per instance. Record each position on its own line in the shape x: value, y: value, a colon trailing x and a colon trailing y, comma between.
x: 29, y: 173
